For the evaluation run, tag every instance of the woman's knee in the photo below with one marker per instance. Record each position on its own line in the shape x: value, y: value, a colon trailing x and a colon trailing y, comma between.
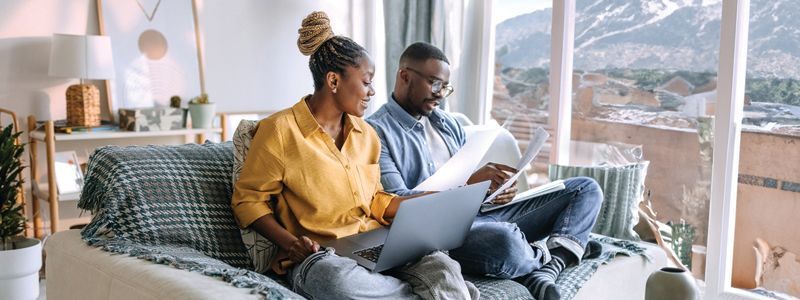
x: 324, y: 273
x: 435, y: 276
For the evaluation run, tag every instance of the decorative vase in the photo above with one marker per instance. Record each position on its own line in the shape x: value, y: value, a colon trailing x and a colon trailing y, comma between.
x: 19, y: 274
x: 202, y: 114
x: 671, y: 284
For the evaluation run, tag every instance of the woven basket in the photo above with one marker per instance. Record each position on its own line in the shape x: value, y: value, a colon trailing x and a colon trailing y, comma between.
x: 83, y: 105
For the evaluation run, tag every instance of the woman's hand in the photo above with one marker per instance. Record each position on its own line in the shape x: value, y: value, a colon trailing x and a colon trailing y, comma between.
x: 302, y: 248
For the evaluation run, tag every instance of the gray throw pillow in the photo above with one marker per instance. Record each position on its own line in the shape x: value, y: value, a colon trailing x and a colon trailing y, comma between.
x: 623, y: 189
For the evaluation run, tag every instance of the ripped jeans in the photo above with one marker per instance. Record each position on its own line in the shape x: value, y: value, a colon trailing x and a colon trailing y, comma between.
x: 498, y: 243
x: 325, y: 275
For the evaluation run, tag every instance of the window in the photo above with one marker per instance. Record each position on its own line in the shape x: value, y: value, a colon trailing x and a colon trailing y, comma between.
x: 521, y: 74
x: 645, y: 74
x: 768, y: 191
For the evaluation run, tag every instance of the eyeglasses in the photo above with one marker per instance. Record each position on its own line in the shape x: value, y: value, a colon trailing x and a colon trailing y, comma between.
x: 437, y: 86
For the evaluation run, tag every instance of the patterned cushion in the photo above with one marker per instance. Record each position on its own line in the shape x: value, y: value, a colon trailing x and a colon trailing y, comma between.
x: 622, y: 187
x: 165, y: 195
x: 260, y: 249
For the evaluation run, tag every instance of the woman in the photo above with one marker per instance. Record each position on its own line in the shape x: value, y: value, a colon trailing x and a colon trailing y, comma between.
x: 319, y: 160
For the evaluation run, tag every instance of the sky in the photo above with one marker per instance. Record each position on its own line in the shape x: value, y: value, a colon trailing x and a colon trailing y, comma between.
x: 507, y: 9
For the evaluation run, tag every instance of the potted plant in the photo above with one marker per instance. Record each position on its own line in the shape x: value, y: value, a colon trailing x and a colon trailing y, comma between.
x: 20, y: 257
x: 201, y: 111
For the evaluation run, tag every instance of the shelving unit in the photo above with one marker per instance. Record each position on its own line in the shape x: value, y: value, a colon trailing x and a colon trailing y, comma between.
x: 46, y: 134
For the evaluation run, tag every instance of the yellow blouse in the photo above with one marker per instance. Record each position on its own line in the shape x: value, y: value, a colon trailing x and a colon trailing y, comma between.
x: 321, y: 191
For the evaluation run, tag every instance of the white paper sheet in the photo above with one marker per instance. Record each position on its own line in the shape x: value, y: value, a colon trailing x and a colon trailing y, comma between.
x: 537, y: 141
x: 459, y: 168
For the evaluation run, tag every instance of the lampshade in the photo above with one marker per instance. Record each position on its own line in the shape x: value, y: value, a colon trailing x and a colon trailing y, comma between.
x: 81, y: 56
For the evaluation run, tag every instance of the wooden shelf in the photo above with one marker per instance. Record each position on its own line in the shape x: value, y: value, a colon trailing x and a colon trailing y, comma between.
x: 120, y: 134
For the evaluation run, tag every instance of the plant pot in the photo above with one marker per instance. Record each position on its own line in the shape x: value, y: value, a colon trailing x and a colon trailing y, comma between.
x: 19, y: 276
x: 671, y: 284
x: 202, y: 114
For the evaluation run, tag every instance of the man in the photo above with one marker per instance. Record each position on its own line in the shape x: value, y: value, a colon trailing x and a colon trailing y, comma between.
x: 417, y: 137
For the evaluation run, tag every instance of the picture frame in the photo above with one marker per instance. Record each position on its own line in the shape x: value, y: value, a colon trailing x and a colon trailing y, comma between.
x: 156, y: 50
x: 69, y: 176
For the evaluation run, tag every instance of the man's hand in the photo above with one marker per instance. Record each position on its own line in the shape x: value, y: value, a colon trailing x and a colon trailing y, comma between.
x: 302, y: 248
x: 496, y: 173
x: 506, y: 196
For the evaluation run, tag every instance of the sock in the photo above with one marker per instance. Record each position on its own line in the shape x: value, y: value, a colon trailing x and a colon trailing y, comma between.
x: 542, y: 282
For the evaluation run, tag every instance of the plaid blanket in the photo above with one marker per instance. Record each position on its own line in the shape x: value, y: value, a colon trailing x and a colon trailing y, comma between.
x: 170, y: 205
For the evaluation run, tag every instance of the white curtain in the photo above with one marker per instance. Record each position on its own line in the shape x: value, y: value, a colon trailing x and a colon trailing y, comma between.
x: 367, y: 29
x: 472, y: 59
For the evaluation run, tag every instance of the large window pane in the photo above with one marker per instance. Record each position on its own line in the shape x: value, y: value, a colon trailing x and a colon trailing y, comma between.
x: 768, y: 194
x: 521, y: 81
x: 645, y: 74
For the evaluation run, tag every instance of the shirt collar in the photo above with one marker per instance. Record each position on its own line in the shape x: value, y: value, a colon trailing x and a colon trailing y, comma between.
x: 307, y: 124
x: 405, y: 119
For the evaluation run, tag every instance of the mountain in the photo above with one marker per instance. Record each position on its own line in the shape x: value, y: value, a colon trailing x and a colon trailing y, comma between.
x: 657, y: 34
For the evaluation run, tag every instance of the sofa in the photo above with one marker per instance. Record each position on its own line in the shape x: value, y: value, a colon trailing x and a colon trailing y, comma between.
x: 162, y: 228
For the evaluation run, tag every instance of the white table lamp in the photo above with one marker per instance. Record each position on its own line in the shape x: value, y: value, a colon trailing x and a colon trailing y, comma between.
x: 83, y: 57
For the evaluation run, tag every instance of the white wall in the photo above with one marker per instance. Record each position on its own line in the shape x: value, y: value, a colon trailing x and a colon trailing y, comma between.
x: 252, y: 61
x: 25, y: 30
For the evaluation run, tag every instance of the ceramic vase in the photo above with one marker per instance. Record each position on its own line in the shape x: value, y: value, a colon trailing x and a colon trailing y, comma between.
x: 671, y: 284
x: 19, y: 270
x: 202, y: 114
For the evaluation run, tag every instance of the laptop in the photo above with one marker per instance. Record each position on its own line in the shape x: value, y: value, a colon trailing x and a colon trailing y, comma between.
x: 437, y: 221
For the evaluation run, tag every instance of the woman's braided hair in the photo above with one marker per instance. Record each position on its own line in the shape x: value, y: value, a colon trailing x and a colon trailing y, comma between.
x: 329, y: 52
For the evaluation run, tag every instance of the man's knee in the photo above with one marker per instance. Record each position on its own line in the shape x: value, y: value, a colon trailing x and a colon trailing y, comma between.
x: 496, y: 249
x: 588, y: 190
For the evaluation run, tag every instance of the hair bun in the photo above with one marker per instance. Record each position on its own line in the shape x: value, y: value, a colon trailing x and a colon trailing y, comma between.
x: 315, y: 30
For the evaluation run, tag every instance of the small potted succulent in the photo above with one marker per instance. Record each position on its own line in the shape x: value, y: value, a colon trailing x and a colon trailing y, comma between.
x: 20, y: 257
x: 201, y: 111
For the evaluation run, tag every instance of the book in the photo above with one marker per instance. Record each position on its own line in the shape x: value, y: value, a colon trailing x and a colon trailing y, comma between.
x: 527, y: 195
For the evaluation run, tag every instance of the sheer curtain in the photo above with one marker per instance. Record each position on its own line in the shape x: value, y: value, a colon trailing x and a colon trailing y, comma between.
x: 367, y: 29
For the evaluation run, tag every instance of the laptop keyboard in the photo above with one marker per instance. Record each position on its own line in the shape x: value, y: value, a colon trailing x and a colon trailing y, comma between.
x: 370, y: 254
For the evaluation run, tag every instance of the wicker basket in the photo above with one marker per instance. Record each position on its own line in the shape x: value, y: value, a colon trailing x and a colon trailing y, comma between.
x: 83, y: 105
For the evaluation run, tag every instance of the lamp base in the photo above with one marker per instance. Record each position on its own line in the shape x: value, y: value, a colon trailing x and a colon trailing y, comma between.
x: 83, y: 105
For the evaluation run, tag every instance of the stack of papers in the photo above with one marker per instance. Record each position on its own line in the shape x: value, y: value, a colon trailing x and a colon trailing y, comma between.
x: 455, y: 172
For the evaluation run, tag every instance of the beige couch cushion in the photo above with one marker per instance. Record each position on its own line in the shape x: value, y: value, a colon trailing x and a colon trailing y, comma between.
x: 77, y: 271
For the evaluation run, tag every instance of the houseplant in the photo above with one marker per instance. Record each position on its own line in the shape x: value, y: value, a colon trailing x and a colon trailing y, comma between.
x: 20, y: 257
x: 201, y: 111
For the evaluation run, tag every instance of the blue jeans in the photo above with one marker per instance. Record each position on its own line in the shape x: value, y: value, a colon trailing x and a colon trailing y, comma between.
x: 498, y: 243
x: 325, y: 275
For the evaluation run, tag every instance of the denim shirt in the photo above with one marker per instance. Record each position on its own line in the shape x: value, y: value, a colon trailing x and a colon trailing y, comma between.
x: 405, y: 159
